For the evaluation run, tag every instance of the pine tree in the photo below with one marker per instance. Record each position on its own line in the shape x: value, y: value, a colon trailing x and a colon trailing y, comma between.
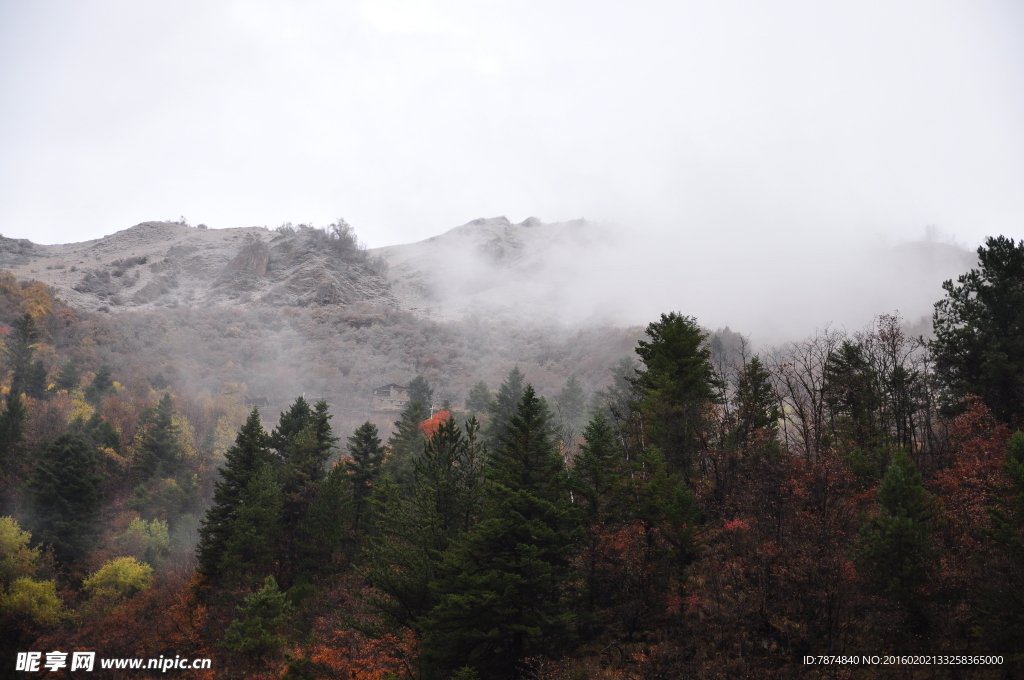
x: 895, y: 547
x: 597, y: 471
x: 679, y: 384
x: 500, y: 594
x: 243, y: 462
x: 27, y: 377
x: 100, y: 385
x: 68, y: 376
x: 161, y: 446
x: 479, y: 399
x: 12, y: 426
x: 406, y: 444
x: 251, y: 550
x: 419, y: 390
x: 503, y: 406
x: 979, y: 331
x: 571, y: 407
x: 66, y: 496
x: 366, y: 457
x: 259, y: 630
x: 757, y: 405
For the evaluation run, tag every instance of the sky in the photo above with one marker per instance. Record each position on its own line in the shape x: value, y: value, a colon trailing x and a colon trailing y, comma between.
x: 729, y: 124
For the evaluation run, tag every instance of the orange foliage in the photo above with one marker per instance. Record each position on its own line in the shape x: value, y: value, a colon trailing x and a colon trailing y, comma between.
x: 350, y: 653
x: 429, y: 427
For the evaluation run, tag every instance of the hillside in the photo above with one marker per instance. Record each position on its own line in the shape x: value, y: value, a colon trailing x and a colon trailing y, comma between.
x: 165, y: 264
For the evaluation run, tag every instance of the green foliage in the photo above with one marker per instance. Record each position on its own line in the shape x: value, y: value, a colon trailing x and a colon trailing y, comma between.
x: 17, y: 559
x: 757, y: 405
x: 68, y: 376
x: 479, y: 399
x: 979, y: 331
x: 500, y: 591
x: 406, y: 444
x: 100, y: 385
x: 34, y: 600
x: 503, y: 406
x: 419, y: 390
x: 147, y: 541
x: 678, y: 386
x: 597, y: 471
x: 27, y: 376
x: 12, y: 426
x: 252, y: 549
x: 366, y: 455
x: 571, y: 409
x: 119, y: 578
x: 258, y: 632
x: 66, y: 496
x: 894, y: 547
x: 413, y: 532
x: 243, y: 462
x: 161, y: 450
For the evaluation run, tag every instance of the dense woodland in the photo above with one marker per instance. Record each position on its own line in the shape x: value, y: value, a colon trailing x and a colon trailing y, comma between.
x: 708, y: 512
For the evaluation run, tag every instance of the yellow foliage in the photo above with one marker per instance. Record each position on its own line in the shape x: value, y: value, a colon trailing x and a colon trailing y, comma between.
x: 36, y: 300
x: 17, y: 560
x: 36, y: 599
x: 121, y: 577
x: 80, y: 408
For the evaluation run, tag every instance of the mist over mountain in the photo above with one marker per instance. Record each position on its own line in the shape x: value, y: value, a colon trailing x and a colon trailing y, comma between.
x: 574, y: 274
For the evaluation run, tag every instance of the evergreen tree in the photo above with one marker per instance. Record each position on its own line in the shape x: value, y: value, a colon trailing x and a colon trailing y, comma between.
x: 100, y: 385
x: 597, y: 470
x: 27, y: 376
x: 678, y: 386
x: 12, y: 426
x: 290, y: 424
x: 1002, y: 597
x: 979, y: 331
x: 66, y: 496
x: 419, y: 390
x: 413, y: 531
x: 500, y: 593
x: 251, y: 550
x: 406, y: 444
x: 366, y: 457
x: 161, y: 447
x: 479, y: 399
x: 503, y: 406
x: 259, y: 630
x: 243, y: 462
x: 757, y: 405
x: 68, y: 376
x: 895, y: 546
x: 571, y: 407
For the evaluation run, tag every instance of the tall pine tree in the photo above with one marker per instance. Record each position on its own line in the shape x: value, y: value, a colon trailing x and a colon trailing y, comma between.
x: 501, y: 590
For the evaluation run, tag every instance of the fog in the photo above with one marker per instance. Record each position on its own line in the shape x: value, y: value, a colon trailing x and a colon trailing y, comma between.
x: 763, y: 167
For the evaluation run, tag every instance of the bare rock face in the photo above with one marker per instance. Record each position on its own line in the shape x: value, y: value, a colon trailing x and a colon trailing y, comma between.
x: 165, y: 264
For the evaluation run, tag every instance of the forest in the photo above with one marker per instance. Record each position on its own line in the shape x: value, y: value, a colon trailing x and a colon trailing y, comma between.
x: 708, y: 511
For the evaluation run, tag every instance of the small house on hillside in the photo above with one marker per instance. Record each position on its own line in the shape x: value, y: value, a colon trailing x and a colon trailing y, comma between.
x: 390, y: 398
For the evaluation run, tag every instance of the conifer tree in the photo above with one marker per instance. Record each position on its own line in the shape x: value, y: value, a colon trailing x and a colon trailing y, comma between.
x: 757, y: 406
x: 571, y: 407
x: 503, y: 406
x: 251, y: 550
x: 895, y: 546
x: 366, y: 457
x: 100, y: 385
x: 161, y: 446
x: 678, y: 386
x: 259, y: 630
x: 243, y: 462
x: 66, y: 496
x: 597, y: 470
x: 27, y: 376
x: 500, y: 593
x: 68, y: 376
x: 479, y: 399
x: 420, y: 390
x: 12, y: 426
x: 406, y: 444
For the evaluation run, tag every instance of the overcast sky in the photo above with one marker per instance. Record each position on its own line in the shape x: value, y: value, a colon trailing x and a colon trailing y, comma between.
x: 729, y: 125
